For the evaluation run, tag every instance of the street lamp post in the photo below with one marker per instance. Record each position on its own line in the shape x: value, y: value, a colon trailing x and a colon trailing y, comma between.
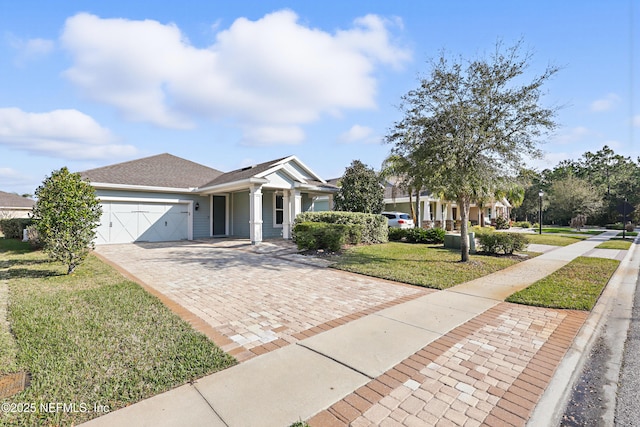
x: 540, y: 194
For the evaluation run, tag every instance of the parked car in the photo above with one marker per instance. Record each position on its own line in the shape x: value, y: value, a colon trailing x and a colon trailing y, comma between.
x: 398, y: 219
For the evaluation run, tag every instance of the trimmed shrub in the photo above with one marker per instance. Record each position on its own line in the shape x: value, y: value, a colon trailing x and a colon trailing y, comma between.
x: 482, y: 230
x: 397, y: 234
x: 322, y: 235
x: 502, y: 223
x: 12, y: 227
x: 421, y: 235
x: 629, y: 227
x: 506, y: 243
x: 522, y: 224
x: 371, y: 228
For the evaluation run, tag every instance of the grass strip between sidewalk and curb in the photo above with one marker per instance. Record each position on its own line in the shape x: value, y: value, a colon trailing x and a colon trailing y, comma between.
x: 576, y: 286
x: 616, y: 243
x: 555, y: 240
x: 94, y: 338
x: 431, y: 266
x: 568, y: 230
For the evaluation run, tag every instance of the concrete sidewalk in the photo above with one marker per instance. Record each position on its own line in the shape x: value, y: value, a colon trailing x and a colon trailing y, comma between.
x: 459, y: 356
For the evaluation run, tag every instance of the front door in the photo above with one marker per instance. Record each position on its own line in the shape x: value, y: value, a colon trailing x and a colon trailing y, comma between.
x: 219, y: 216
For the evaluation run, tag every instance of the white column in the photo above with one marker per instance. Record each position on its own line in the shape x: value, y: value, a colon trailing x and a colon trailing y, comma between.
x: 286, y: 216
x: 449, y: 211
x: 330, y: 207
x: 438, y: 210
x: 297, y: 203
x: 427, y: 210
x: 255, y: 214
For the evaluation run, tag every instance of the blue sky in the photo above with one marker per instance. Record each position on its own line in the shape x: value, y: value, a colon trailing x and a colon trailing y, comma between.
x: 229, y: 84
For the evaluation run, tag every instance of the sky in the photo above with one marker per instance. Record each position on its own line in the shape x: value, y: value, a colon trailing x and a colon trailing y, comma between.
x: 230, y: 84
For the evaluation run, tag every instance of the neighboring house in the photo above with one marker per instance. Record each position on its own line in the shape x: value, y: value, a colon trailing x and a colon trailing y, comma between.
x: 14, y: 206
x: 436, y: 212
x: 166, y: 198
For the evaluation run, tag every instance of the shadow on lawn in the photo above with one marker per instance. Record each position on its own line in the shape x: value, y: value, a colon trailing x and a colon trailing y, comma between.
x: 29, y: 273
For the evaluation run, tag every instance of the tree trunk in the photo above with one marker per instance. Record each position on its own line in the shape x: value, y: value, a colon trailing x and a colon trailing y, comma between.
x: 418, y: 223
x: 464, y: 204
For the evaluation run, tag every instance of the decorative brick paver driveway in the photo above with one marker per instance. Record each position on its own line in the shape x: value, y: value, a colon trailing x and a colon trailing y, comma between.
x: 256, y: 301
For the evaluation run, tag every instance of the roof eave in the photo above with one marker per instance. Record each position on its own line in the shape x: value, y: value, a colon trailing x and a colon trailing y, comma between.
x: 132, y: 187
x: 242, y: 184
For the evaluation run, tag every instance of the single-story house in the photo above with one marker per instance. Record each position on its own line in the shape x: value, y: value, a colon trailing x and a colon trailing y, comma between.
x: 167, y: 198
x: 440, y: 213
x: 14, y: 206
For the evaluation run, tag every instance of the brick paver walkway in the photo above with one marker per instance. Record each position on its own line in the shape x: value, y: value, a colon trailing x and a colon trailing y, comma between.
x: 255, y: 302
x: 490, y: 371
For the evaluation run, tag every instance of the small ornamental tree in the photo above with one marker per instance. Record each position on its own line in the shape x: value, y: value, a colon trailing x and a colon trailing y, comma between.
x: 360, y: 190
x: 67, y: 214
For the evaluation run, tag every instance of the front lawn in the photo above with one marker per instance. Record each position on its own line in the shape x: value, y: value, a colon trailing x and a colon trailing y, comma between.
x: 623, y: 244
x: 417, y: 264
x: 555, y: 240
x: 568, y: 230
x: 94, y: 338
x: 575, y: 286
x: 628, y: 233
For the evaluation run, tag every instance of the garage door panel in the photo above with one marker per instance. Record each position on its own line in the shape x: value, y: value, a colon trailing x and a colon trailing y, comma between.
x: 124, y: 222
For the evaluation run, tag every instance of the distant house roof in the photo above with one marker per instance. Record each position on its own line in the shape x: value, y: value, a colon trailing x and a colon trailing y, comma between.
x: 162, y: 170
x: 10, y: 200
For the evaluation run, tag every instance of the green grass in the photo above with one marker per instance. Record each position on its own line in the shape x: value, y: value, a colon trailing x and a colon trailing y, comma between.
x: 424, y: 265
x: 629, y: 233
x: 623, y: 244
x: 568, y: 230
x: 94, y: 337
x: 575, y: 286
x: 555, y: 240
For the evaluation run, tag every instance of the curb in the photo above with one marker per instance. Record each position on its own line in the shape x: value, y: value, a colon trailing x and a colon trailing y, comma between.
x: 610, y: 318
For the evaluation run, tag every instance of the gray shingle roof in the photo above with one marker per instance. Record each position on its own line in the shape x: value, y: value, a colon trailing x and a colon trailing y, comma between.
x: 162, y: 170
x: 242, y: 173
x: 10, y: 200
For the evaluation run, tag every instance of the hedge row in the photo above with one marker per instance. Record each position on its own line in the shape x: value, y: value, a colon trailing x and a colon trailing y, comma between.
x: 372, y: 228
x: 12, y: 227
x: 417, y: 235
x: 506, y: 243
x: 322, y: 235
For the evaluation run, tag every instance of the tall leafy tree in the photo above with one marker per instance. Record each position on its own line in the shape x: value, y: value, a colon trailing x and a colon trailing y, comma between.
x: 571, y: 197
x: 360, y: 190
x: 470, y: 123
x: 67, y: 214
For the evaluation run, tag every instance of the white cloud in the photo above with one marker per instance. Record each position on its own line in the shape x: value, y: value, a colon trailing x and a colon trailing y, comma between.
x: 606, y: 103
x: 68, y: 134
x: 12, y: 177
x: 272, y: 135
x: 572, y: 135
x: 270, y: 72
x: 358, y: 133
x: 30, y: 49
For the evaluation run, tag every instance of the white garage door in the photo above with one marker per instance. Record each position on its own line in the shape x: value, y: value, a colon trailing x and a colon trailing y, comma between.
x: 125, y: 222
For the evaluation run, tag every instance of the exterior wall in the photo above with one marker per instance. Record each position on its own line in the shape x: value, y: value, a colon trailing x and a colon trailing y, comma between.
x: 268, y: 230
x: 398, y: 207
x: 240, y: 214
x: 201, y: 217
x: 7, y: 213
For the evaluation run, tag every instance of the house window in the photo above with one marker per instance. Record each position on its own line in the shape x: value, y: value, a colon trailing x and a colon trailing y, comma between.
x: 278, y: 211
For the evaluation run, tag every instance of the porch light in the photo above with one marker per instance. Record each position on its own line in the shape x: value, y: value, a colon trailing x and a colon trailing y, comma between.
x: 197, y: 206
